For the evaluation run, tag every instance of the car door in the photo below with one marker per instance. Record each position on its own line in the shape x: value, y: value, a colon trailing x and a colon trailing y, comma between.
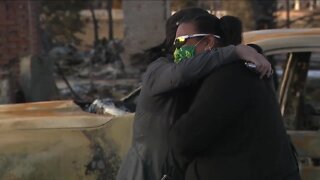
x: 297, y: 79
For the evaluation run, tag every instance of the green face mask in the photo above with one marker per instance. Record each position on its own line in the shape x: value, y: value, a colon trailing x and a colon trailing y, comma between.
x: 184, y: 52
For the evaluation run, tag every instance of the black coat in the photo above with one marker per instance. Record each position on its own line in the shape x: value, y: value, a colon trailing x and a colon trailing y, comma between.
x: 233, y: 130
x: 160, y: 102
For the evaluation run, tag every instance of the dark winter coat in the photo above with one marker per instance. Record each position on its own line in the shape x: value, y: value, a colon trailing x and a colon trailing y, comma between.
x: 233, y: 130
x: 160, y: 102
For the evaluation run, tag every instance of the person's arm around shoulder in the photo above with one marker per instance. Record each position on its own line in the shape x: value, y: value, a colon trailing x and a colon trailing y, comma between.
x: 163, y: 76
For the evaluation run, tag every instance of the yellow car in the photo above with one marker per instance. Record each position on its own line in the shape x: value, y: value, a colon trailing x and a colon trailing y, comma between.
x: 58, y: 140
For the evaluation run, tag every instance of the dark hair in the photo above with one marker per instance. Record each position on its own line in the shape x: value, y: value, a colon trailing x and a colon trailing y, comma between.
x: 232, y: 29
x: 229, y: 28
x: 174, y: 21
x: 166, y: 47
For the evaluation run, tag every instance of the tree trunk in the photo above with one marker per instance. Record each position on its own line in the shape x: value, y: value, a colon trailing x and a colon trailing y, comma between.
x: 255, y: 14
x: 242, y: 10
x: 264, y: 13
x: 110, y: 19
x: 95, y: 25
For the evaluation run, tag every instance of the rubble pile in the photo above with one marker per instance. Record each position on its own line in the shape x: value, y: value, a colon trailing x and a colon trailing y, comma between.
x: 109, y: 106
x: 97, y: 74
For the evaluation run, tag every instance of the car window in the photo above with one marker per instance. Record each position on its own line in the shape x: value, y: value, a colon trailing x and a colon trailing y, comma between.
x: 291, y: 73
x: 311, y: 104
x: 313, y: 82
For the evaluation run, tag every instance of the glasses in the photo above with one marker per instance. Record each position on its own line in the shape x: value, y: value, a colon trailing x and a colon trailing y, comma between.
x: 181, y: 40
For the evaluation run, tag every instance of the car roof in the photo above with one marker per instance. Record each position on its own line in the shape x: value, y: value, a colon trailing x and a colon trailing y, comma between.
x: 285, y: 40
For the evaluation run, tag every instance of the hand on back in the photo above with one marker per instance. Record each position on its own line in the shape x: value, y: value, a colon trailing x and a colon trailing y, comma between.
x: 248, y: 53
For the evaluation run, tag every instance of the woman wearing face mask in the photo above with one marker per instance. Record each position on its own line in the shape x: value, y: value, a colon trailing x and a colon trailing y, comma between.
x: 233, y: 129
x: 166, y: 94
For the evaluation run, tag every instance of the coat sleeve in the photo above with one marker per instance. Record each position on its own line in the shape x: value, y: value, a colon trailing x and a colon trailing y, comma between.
x: 219, y: 101
x: 163, y: 76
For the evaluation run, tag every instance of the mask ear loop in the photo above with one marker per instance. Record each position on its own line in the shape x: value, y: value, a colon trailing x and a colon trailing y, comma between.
x: 210, y: 48
x: 199, y: 42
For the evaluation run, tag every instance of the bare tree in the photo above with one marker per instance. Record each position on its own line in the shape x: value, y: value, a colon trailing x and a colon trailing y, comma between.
x: 243, y: 10
x: 308, y: 20
x: 254, y: 14
x: 95, y: 22
x: 110, y: 19
x: 264, y: 13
